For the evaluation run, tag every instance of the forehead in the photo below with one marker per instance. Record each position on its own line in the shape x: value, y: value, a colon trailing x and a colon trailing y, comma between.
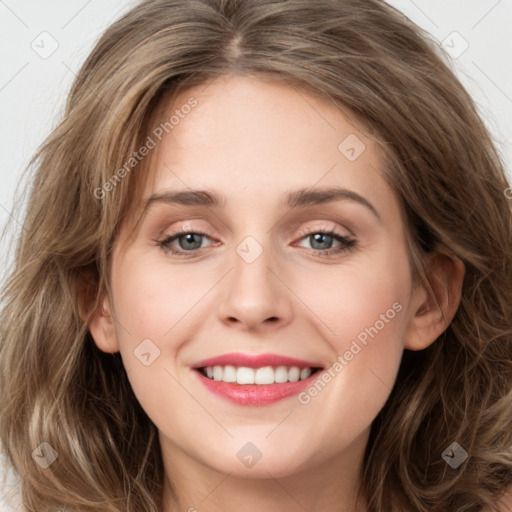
x: 257, y: 132
x: 256, y: 140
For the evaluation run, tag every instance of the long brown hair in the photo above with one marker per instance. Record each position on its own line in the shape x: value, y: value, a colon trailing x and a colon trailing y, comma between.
x: 387, y: 76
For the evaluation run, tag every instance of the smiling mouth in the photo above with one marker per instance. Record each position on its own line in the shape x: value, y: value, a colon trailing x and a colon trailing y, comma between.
x: 256, y: 379
x: 266, y: 375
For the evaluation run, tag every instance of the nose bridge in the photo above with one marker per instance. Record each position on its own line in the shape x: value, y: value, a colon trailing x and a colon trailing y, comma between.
x: 251, y: 277
x: 254, y: 294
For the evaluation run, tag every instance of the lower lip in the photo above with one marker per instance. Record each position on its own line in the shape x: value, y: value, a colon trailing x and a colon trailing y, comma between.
x: 255, y: 394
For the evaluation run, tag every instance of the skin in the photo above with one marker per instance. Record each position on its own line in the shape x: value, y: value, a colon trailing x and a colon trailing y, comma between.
x: 253, y: 141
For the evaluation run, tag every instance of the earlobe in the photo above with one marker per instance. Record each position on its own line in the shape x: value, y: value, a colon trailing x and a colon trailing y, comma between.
x: 435, y: 301
x: 102, y: 328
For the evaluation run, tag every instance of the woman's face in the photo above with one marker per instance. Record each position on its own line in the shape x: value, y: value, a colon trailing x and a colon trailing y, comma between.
x: 292, y: 255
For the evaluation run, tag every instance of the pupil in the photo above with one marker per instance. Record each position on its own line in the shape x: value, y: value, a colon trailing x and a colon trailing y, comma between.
x: 318, y: 238
x: 189, y: 237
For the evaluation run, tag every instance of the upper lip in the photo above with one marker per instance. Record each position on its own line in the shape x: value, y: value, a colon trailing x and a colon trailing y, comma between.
x: 255, y: 361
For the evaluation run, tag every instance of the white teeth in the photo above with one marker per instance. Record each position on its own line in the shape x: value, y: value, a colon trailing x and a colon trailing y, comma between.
x: 293, y: 374
x: 217, y: 373
x: 229, y: 374
x: 245, y: 375
x: 264, y: 375
x: 281, y: 374
x: 305, y: 373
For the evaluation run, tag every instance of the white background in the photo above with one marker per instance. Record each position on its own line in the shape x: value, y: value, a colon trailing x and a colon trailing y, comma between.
x: 33, y: 89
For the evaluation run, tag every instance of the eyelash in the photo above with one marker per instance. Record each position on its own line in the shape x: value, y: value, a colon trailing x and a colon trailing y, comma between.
x: 348, y: 244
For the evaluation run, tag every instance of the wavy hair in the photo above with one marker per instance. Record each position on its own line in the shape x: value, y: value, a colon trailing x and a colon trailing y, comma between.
x: 390, y: 78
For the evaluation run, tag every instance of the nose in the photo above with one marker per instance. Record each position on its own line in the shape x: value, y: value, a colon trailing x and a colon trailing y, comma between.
x: 255, y: 296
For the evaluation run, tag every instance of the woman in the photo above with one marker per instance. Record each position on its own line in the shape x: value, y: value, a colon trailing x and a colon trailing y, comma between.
x: 259, y: 367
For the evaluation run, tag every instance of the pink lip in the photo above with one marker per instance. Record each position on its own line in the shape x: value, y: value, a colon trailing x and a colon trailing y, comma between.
x: 255, y: 394
x: 255, y: 361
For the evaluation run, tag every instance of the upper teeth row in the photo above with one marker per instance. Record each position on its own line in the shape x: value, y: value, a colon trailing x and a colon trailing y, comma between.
x: 264, y: 375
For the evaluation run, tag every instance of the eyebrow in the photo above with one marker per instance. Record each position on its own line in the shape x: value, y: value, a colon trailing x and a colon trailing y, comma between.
x: 299, y: 198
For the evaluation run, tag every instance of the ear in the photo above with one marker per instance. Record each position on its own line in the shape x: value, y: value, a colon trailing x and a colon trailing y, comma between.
x: 99, y: 320
x: 102, y: 327
x: 432, y: 311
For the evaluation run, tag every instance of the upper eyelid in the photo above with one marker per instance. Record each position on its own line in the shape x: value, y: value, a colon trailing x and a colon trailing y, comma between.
x: 303, y: 233
x: 299, y: 214
x: 331, y: 226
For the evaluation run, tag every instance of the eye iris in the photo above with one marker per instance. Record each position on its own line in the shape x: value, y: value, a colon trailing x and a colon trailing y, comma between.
x: 189, y: 237
x: 317, y: 237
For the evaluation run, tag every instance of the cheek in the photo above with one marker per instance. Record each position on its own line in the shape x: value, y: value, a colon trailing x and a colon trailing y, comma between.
x: 368, y: 317
x: 157, y: 309
x: 151, y: 306
x: 147, y: 306
x: 371, y: 312
x: 364, y: 300
x: 152, y: 298
x: 364, y: 314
